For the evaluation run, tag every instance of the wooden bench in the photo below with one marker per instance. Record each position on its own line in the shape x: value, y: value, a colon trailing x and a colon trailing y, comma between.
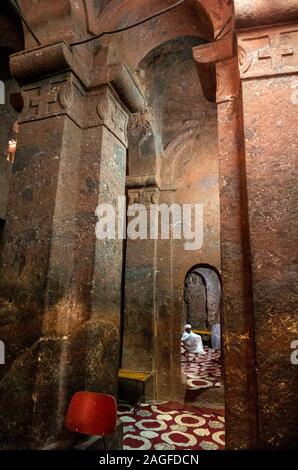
x: 137, y: 377
x: 202, y: 332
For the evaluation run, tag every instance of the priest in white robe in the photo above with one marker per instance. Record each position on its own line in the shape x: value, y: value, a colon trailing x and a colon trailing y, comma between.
x: 193, y: 343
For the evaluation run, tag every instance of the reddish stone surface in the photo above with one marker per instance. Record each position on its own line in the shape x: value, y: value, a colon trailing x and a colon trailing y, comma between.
x: 202, y: 296
x: 50, y: 259
x: 60, y: 291
x: 195, y: 296
x: 268, y: 62
x: 236, y: 284
x: 271, y: 162
x: 257, y: 13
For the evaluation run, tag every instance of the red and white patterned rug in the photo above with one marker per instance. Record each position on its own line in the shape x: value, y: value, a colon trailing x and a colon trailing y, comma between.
x: 201, y: 370
x: 173, y: 427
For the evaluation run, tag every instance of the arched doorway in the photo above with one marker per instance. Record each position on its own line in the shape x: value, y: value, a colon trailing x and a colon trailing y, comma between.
x: 203, y: 373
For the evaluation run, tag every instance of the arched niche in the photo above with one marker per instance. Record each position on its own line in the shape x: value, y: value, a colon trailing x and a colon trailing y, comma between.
x: 191, y: 18
x: 158, y: 135
x: 185, y: 20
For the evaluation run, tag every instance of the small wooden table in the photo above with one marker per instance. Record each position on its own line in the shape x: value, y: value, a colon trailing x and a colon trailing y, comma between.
x: 137, y: 377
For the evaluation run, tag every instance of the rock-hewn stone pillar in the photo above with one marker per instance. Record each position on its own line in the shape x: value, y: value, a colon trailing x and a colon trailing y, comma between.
x: 140, y: 285
x: 59, y: 338
x: 258, y: 153
x: 237, y: 321
x: 269, y: 67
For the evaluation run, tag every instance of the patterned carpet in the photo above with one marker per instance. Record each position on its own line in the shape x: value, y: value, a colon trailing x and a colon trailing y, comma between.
x: 172, y: 426
x: 202, y: 370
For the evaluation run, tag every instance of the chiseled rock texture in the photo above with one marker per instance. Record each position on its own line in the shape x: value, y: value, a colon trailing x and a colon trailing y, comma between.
x: 198, y: 105
x: 272, y: 197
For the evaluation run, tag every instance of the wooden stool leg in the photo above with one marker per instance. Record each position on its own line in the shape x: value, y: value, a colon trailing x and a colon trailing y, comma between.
x: 72, y: 440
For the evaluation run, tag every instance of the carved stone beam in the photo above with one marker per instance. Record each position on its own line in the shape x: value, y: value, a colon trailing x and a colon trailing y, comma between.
x: 141, y: 181
x: 44, y: 61
x: 218, y: 61
x: 128, y: 91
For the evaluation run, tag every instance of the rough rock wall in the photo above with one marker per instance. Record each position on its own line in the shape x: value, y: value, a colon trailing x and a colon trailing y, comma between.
x: 7, y: 117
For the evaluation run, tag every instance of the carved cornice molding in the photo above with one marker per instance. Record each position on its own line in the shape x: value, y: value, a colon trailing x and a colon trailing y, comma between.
x: 268, y: 51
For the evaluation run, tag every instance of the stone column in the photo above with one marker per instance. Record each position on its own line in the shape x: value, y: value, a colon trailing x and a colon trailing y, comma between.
x: 237, y: 317
x: 258, y: 153
x: 152, y: 315
x: 169, y: 301
x: 269, y: 67
x: 140, y: 286
x: 58, y: 338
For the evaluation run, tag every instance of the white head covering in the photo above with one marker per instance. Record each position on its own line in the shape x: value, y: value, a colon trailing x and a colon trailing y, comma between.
x: 187, y: 327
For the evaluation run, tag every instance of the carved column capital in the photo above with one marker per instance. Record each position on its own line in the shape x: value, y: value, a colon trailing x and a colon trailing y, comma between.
x: 146, y: 195
x: 64, y: 95
x: 64, y: 90
x: 215, y: 51
x: 111, y: 113
x: 141, y: 181
x: 60, y: 95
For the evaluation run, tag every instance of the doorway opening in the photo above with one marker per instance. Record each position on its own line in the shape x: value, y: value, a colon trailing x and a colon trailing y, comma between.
x: 202, y: 371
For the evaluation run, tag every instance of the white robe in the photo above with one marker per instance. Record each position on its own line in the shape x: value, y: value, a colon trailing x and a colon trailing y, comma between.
x: 193, y: 343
